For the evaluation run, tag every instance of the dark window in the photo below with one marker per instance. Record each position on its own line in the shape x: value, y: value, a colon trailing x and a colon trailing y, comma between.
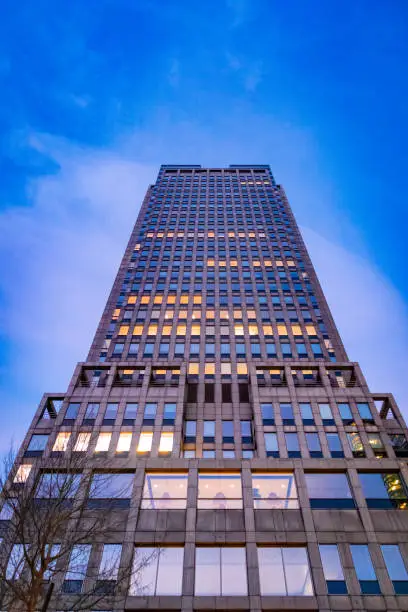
x: 226, y: 393
x: 192, y: 393
x: 243, y: 393
x: 209, y: 392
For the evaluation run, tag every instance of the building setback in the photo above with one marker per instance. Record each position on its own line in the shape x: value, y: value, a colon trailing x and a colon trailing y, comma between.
x: 259, y: 463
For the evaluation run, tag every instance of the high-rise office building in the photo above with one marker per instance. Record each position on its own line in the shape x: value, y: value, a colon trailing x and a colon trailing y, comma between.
x: 259, y: 464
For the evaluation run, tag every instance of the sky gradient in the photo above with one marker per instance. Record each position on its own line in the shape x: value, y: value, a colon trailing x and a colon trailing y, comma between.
x: 97, y: 94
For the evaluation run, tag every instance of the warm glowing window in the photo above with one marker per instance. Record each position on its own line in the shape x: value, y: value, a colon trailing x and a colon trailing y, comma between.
x: 210, y: 262
x: 23, y: 472
x: 231, y: 234
x: 237, y: 314
x: 181, y: 330
x: 166, y: 442
x: 197, y: 299
x: 193, y: 369
x: 131, y: 299
x: 116, y: 313
x: 256, y: 263
x: 267, y: 262
x: 82, y: 442
x: 123, y: 330
x: 171, y: 299
x: 242, y: 368
x: 311, y: 330
x: 222, y: 264
x: 195, y: 330
x: 138, y: 330
x: 158, y: 299
x: 184, y: 299
x: 296, y: 330
x: 233, y: 262
x: 253, y: 330
x: 61, y: 442
x: 124, y: 441
x: 267, y: 330
x: 102, y: 444
x: 152, y: 330
x: 209, y: 369
x: 166, y: 330
x: 282, y: 331
x: 169, y: 314
x: 290, y: 262
x: 145, y: 442
x: 224, y: 314
x: 251, y: 314
x: 182, y: 314
x: 239, y: 330
x: 145, y: 299
x: 210, y: 314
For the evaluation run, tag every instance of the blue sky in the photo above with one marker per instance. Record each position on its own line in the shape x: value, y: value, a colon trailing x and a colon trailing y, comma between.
x: 97, y: 94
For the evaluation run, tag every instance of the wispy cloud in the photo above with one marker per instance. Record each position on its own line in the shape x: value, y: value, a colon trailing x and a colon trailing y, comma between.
x: 250, y: 71
x: 62, y: 254
x: 174, y: 73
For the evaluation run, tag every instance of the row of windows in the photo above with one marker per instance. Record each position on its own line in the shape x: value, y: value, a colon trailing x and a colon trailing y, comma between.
x: 284, y: 413
x: 222, y: 570
x: 223, y: 490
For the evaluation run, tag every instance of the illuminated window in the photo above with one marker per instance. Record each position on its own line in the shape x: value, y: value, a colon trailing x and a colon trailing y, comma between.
x: 164, y: 490
x: 123, y: 330
x: 171, y: 299
x: 296, y: 330
x: 145, y: 299
x: 131, y: 299
x: 166, y: 443
x: 169, y: 314
x: 267, y: 330
x: 237, y: 314
x: 219, y: 490
x: 225, y: 369
x: 152, y: 330
x: 184, y: 299
x: 242, y: 369
x: 166, y: 330
x: 209, y: 369
x: 124, y: 441
x: 22, y: 473
x: 182, y: 314
x: 82, y: 442
x: 61, y: 442
x: 311, y: 330
x: 197, y: 299
x: 145, y: 442
x: 274, y: 490
x: 253, y: 330
x: 138, y: 330
x: 102, y: 444
x: 158, y: 299
x: 239, y: 330
x: 116, y: 313
x: 282, y: 331
x: 193, y: 369
x: 181, y: 330
x: 195, y: 330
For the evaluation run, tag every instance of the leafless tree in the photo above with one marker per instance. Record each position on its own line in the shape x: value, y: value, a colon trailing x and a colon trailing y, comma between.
x: 51, y: 520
